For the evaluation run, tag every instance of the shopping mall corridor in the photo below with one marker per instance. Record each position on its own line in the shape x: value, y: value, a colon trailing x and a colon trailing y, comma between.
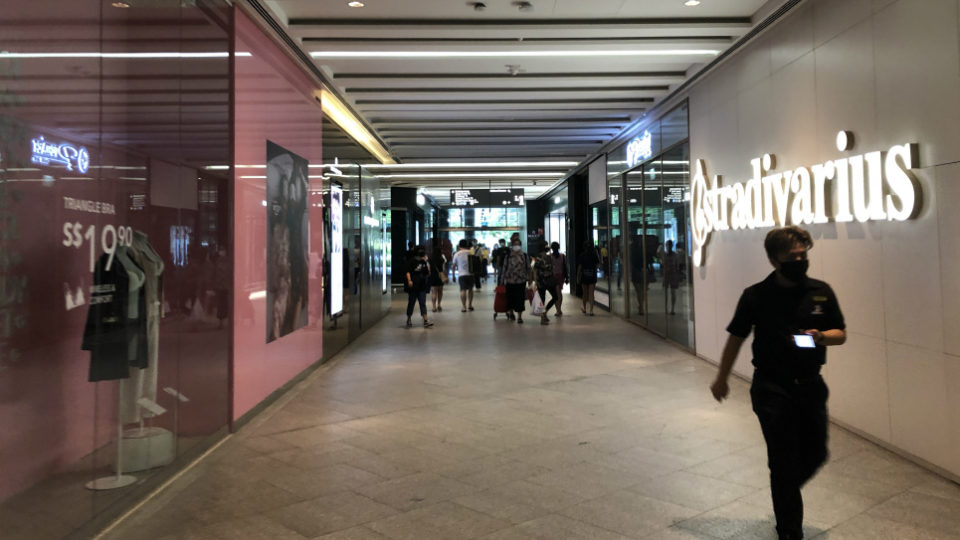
x: 587, y: 428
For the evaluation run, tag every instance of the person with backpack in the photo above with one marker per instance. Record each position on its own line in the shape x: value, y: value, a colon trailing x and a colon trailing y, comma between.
x: 543, y: 272
x: 417, y: 284
x: 515, y: 275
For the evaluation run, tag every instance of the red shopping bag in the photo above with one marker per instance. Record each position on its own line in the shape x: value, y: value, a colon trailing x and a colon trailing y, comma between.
x: 500, y: 299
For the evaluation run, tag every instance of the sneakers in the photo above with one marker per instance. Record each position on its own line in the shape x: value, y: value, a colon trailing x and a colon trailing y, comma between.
x: 427, y: 324
x: 409, y: 324
x: 544, y: 321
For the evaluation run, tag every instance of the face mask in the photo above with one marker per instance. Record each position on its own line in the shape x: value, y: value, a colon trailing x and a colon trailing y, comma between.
x: 795, y: 271
x: 515, y: 248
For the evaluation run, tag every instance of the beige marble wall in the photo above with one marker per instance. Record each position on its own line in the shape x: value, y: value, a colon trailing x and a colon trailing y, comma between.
x: 890, y: 72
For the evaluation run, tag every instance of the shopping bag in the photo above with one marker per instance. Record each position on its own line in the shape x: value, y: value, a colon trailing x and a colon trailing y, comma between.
x: 500, y: 299
x: 536, y: 305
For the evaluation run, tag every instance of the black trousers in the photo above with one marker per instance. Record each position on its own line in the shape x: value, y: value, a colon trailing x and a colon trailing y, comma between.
x: 542, y: 291
x: 793, y: 417
x: 413, y: 297
x: 516, y: 297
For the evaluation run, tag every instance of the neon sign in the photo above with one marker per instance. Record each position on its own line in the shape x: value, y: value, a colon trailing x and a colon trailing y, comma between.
x: 875, y: 186
x: 639, y: 149
x: 63, y: 154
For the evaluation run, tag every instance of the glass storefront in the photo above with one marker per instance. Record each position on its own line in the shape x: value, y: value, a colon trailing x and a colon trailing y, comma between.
x: 649, y: 207
x: 115, y: 254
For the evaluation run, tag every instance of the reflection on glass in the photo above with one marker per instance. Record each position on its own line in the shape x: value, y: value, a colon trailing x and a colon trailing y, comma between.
x: 615, y: 261
x: 601, y: 239
x: 114, y: 256
x: 674, y: 254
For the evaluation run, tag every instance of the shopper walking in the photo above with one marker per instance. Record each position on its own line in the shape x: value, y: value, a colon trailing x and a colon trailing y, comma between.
x: 438, y: 277
x: 561, y: 275
x: 418, y: 283
x: 475, y: 263
x: 543, y: 274
x: 587, y: 264
x: 460, y: 265
x: 794, y: 318
x: 516, y: 276
x: 499, y: 253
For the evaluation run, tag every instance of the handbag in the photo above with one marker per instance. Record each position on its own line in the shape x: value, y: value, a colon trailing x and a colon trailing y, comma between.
x: 536, y: 305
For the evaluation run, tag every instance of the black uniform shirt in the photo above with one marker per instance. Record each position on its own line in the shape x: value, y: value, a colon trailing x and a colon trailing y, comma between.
x: 775, y: 314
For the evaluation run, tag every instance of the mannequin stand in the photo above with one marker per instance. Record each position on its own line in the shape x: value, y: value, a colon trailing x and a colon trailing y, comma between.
x: 118, y: 480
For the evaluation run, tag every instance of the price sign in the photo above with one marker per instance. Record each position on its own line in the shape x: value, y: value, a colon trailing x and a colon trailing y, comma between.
x: 76, y: 234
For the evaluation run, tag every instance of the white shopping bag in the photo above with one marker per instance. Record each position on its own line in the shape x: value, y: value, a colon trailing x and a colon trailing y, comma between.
x: 536, y: 305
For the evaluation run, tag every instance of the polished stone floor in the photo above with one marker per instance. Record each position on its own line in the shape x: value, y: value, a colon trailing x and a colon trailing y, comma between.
x: 587, y: 428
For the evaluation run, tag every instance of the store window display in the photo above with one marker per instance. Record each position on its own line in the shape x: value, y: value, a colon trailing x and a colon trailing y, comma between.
x: 114, y: 345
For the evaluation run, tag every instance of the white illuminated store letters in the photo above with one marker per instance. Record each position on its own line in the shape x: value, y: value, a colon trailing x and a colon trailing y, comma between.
x: 868, y: 187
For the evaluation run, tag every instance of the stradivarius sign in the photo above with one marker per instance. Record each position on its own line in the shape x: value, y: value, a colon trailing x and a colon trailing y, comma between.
x: 876, y: 186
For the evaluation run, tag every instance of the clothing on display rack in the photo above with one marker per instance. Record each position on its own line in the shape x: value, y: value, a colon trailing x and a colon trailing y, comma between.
x: 142, y: 382
x: 110, y: 334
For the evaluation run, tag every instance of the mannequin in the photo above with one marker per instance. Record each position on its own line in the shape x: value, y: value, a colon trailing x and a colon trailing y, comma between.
x: 143, y: 380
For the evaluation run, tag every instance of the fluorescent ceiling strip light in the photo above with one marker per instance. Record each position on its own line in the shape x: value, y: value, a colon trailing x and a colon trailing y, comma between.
x: 480, y: 165
x: 510, y: 54
x: 121, y: 55
x: 476, y: 175
x: 458, y: 165
x: 339, y: 114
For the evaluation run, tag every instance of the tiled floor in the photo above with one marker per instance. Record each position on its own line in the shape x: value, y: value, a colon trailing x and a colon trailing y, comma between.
x: 586, y: 428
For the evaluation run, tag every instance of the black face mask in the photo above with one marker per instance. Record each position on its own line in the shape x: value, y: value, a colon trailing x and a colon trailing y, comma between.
x: 795, y: 271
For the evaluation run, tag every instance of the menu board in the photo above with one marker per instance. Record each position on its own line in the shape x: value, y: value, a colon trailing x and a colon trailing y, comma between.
x: 504, y: 197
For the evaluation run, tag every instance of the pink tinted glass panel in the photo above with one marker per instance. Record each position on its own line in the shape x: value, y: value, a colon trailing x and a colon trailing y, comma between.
x: 274, y: 102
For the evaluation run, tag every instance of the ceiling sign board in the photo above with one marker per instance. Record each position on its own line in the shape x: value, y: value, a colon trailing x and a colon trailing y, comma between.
x: 468, y: 197
x: 507, y: 197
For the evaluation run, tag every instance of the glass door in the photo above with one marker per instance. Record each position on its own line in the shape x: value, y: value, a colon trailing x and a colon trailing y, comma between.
x: 634, y: 230
x: 601, y: 231
x: 653, y: 236
x: 673, y: 255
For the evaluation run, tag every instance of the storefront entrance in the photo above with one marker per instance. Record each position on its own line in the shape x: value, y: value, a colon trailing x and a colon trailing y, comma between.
x: 656, y: 205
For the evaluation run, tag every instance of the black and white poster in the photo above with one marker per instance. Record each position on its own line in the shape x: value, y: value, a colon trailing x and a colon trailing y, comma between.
x: 336, y: 249
x: 288, y: 241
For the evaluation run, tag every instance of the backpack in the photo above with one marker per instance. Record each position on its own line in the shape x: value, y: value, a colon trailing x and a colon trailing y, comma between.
x: 545, y: 271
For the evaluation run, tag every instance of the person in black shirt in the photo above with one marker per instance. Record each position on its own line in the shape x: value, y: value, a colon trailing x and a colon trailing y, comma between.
x: 418, y: 284
x: 587, y: 264
x: 788, y: 394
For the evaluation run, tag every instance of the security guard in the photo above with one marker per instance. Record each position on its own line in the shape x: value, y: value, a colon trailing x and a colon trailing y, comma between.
x: 794, y: 318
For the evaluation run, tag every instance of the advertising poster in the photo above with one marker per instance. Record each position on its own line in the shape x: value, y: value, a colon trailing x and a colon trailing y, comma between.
x: 336, y: 249
x: 287, y: 241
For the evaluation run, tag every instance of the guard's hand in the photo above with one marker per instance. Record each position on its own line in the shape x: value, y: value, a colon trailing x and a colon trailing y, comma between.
x: 719, y: 389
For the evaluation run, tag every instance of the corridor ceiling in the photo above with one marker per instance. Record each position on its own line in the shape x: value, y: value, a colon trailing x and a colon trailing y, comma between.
x: 442, y: 81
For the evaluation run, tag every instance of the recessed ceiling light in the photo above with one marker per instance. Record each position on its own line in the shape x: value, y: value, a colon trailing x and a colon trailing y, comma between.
x: 359, y: 4
x: 692, y: 3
